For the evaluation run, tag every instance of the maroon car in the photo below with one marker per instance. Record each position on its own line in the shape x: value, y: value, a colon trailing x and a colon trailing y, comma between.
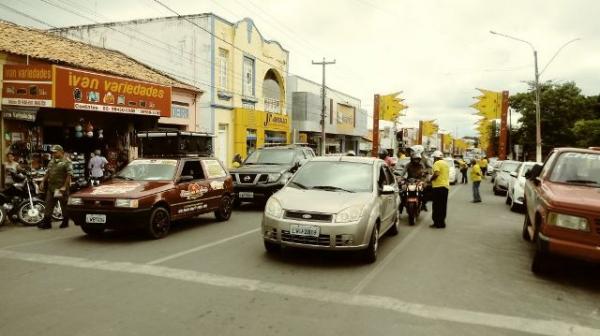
x: 150, y: 193
x: 562, y: 200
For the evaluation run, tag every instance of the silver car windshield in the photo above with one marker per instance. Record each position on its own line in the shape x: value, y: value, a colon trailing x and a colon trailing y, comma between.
x: 148, y: 170
x: 577, y: 168
x: 335, y: 176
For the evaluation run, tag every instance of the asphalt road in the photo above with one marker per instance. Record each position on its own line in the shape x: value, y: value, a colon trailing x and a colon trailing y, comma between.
x: 211, y: 278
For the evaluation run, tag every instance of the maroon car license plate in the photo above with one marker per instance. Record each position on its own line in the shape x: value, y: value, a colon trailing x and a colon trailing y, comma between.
x: 413, y: 199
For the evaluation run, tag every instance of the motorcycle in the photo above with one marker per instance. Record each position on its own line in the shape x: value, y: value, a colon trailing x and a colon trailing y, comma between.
x: 412, y: 198
x: 20, y: 199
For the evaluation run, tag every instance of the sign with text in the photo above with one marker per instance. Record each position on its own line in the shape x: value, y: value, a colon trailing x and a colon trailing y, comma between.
x: 84, y: 90
x: 27, y: 85
x: 345, y: 118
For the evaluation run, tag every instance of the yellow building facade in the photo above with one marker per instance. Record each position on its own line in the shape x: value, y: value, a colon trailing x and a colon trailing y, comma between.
x: 249, y: 91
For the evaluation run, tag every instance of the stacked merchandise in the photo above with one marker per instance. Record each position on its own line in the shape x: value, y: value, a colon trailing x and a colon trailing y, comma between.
x: 78, y: 162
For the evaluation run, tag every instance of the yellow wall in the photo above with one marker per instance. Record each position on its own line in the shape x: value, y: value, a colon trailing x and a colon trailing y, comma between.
x: 260, y: 121
x: 267, y: 56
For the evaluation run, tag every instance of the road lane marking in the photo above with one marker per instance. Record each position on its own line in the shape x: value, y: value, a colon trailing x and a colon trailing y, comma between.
x: 381, y: 264
x: 507, y: 322
x: 35, y: 242
x: 201, y: 247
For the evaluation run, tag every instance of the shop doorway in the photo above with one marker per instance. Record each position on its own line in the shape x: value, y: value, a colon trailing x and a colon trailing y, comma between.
x: 222, y: 140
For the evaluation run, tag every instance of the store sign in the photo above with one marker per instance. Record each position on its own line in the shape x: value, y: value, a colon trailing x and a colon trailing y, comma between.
x: 179, y: 111
x: 345, y: 118
x: 275, y: 120
x: 18, y: 114
x: 83, y: 90
x: 27, y: 85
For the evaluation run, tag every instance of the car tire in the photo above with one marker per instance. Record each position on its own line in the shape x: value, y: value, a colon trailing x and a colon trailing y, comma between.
x: 92, y: 231
x: 526, y: 224
x: 514, y: 207
x: 271, y: 247
x: 508, y: 200
x: 159, y: 223
x: 223, y: 213
x: 395, y: 229
x: 2, y: 215
x: 370, y: 254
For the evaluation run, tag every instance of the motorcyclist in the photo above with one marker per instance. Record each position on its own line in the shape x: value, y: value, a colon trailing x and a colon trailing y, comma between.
x: 416, y: 169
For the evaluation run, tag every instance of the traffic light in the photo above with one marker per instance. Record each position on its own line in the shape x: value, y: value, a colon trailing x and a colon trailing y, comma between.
x: 390, y: 107
x: 489, y: 104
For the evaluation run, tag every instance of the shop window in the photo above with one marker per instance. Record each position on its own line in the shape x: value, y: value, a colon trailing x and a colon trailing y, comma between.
x: 248, y: 77
x: 193, y: 168
x: 250, y: 141
x: 275, y: 137
x: 223, y: 61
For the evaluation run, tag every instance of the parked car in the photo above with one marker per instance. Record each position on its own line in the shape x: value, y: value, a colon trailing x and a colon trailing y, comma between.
x: 150, y: 193
x: 515, y: 196
x: 334, y: 203
x: 493, y: 169
x: 453, y: 170
x: 502, y: 176
x: 266, y: 170
x: 562, y: 200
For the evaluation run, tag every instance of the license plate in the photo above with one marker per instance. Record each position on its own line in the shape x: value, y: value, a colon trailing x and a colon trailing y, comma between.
x: 246, y: 194
x: 95, y: 219
x: 304, y: 230
x: 413, y: 199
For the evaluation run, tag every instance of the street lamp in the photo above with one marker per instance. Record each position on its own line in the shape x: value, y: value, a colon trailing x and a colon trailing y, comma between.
x: 538, y: 128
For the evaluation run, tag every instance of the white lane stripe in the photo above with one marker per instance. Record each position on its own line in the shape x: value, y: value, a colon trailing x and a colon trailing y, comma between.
x: 381, y: 264
x: 35, y: 242
x: 201, y: 247
x: 528, y: 325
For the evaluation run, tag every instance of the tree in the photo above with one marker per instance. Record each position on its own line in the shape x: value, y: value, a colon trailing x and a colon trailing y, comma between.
x: 588, y: 132
x: 561, y: 106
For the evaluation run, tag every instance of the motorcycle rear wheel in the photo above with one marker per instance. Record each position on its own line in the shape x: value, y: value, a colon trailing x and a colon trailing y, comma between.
x: 2, y: 215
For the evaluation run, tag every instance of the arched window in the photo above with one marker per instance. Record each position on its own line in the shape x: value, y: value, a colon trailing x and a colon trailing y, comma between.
x: 272, y: 92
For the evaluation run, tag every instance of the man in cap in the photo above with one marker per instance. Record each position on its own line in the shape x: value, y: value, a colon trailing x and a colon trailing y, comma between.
x: 56, y: 183
x: 440, y: 182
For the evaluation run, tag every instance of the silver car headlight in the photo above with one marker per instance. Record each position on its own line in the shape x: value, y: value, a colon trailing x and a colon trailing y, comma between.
x: 350, y: 214
x: 273, y: 177
x: 568, y: 221
x: 273, y: 208
x: 74, y: 201
x: 126, y: 203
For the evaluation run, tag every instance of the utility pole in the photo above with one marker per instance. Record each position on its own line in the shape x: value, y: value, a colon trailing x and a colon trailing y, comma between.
x: 375, y: 147
x: 323, y: 92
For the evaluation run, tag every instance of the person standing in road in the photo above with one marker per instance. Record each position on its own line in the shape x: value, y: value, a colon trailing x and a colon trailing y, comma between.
x: 96, y: 166
x: 483, y: 165
x: 476, y: 179
x: 440, y: 183
x: 56, y: 184
x: 463, y: 170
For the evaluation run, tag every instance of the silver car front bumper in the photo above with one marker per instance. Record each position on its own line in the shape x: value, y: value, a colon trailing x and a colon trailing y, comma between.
x: 332, y: 236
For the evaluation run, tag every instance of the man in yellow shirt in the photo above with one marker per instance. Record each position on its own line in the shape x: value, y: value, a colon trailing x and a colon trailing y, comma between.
x: 483, y: 165
x: 476, y: 179
x: 440, y: 183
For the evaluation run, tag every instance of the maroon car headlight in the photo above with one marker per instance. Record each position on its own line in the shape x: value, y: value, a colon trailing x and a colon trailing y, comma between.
x: 126, y: 203
x: 568, y: 221
x: 74, y: 201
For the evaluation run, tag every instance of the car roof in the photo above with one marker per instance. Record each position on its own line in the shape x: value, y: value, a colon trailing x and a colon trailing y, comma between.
x: 579, y: 150
x: 342, y: 158
x: 177, y: 158
x: 284, y: 147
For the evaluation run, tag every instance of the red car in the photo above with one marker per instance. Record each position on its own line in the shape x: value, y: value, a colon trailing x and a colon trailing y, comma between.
x: 562, y: 201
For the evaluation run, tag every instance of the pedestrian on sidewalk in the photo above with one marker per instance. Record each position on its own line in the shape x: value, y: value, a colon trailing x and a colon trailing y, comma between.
x: 476, y: 179
x: 463, y: 170
x: 440, y: 183
x: 56, y: 183
x: 96, y: 165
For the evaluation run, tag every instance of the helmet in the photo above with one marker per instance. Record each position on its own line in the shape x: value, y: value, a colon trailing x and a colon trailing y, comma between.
x: 438, y: 154
x: 415, y: 156
x: 383, y: 153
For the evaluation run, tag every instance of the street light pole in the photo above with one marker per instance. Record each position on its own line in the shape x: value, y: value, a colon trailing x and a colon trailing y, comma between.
x: 538, y: 127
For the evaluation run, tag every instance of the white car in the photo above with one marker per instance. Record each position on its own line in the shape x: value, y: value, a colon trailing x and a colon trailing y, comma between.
x: 502, y: 176
x: 516, y: 185
x: 453, y: 171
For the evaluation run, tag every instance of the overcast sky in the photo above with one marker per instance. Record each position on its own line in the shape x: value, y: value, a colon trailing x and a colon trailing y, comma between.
x: 437, y: 52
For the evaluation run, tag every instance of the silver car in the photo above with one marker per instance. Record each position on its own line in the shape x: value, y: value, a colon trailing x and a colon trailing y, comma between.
x: 502, y: 176
x: 334, y: 203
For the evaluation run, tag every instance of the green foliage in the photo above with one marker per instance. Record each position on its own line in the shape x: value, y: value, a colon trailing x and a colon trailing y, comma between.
x: 562, y: 105
x: 588, y: 132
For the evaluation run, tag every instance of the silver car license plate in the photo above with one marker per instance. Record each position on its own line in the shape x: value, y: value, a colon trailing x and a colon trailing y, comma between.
x: 304, y: 230
x: 246, y: 194
x: 95, y: 219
